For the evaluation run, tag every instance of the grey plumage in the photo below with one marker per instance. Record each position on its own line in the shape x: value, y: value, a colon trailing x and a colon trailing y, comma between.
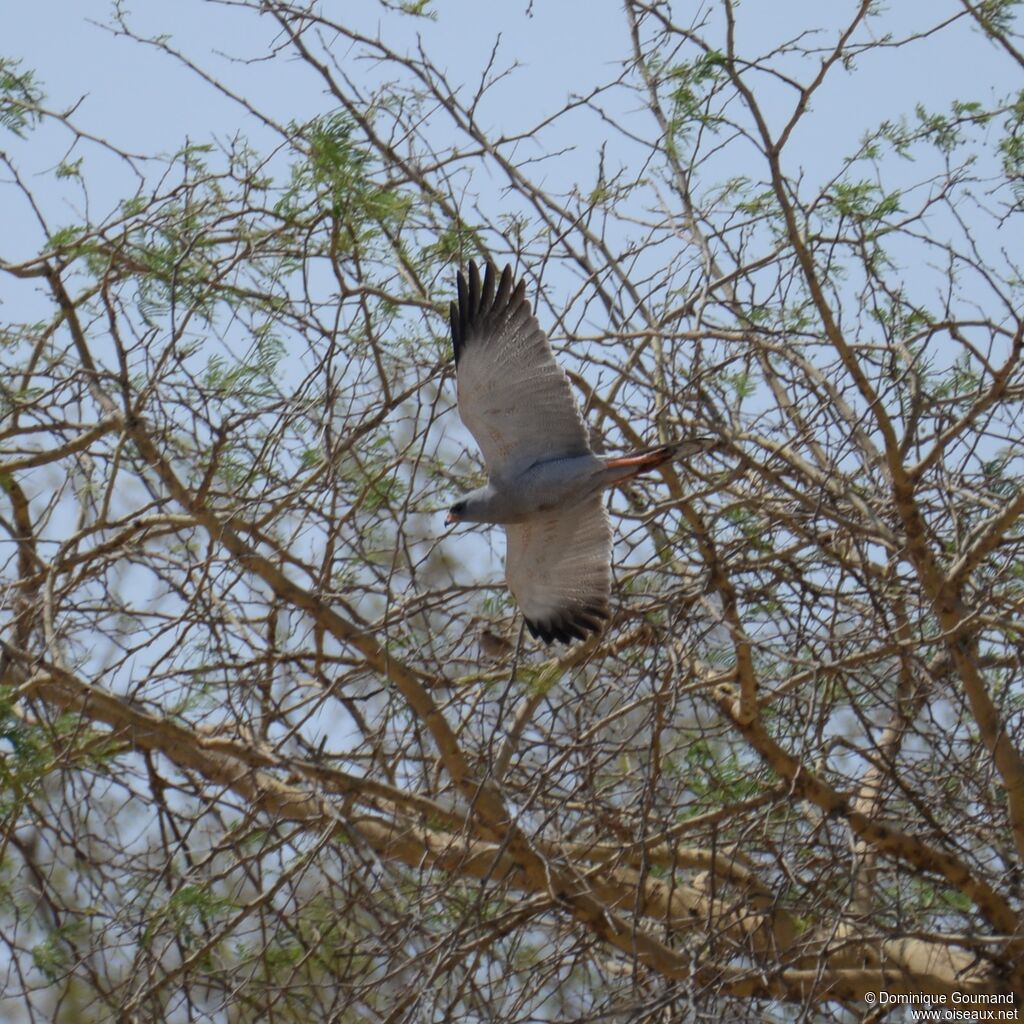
x: 513, y: 396
x: 544, y: 481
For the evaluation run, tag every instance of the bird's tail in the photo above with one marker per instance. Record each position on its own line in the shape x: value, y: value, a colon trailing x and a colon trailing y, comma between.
x: 626, y: 466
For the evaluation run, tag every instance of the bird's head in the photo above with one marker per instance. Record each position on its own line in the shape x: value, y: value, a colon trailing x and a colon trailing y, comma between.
x: 456, y: 513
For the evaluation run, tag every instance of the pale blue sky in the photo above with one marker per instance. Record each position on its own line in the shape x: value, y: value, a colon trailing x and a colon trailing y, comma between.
x: 141, y: 100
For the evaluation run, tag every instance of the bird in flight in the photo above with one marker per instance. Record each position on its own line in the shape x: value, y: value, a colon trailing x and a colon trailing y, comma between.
x: 544, y: 482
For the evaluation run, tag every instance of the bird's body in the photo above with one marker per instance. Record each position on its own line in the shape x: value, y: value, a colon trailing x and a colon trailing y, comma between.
x: 541, y: 487
x: 544, y: 483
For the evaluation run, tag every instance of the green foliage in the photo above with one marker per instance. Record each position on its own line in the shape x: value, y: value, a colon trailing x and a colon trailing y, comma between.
x: 946, y: 132
x: 863, y: 201
x: 337, y: 174
x: 690, y: 85
x: 900, y: 320
x: 133, y: 206
x: 29, y: 752
x: 717, y: 776
x: 752, y: 526
x: 51, y: 957
x: 1005, y: 485
x: 929, y: 897
x: 456, y: 243
x: 1011, y: 147
x: 997, y: 16
x: 418, y: 9
x: 186, y: 914
x: 26, y: 755
x: 961, y: 379
x: 541, y: 678
x: 764, y: 202
x: 19, y: 95
x: 252, y: 378
x: 66, y: 240
x: 743, y: 385
x: 942, y: 131
x: 69, y: 169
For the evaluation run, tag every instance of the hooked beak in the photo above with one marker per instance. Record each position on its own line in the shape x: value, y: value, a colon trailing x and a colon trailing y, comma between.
x: 451, y: 519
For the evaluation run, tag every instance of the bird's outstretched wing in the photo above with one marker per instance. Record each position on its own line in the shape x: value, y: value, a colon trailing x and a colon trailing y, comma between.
x: 513, y: 396
x: 558, y: 566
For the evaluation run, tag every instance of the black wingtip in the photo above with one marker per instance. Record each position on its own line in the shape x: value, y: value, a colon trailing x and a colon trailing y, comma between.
x: 453, y: 319
x: 570, y: 624
x: 483, y: 304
